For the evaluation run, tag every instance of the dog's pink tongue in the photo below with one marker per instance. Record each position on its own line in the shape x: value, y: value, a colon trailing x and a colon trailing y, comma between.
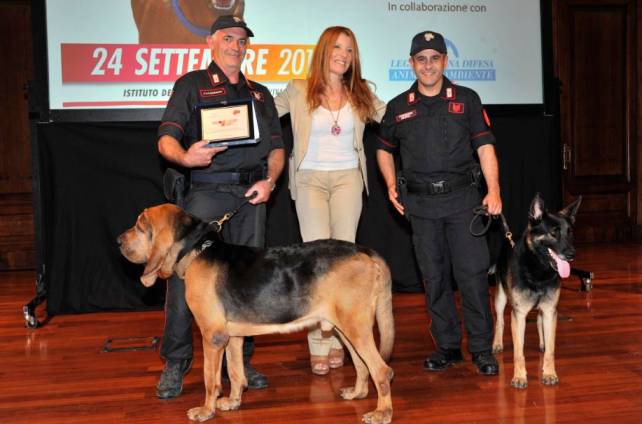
x: 563, y: 267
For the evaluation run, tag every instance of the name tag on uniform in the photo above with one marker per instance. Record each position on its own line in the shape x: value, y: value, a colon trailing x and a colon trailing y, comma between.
x: 212, y: 92
x: 406, y: 115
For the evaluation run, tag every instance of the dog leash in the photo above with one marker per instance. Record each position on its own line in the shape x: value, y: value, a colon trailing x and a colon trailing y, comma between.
x: 198, y: 236
x: 219, y: 222
x: 483, y: 211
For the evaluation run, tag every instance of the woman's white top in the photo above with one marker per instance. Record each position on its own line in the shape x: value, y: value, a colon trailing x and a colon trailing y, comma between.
x: 329, y: 152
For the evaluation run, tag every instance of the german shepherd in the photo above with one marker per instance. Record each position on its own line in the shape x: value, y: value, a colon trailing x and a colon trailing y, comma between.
x: 529, y: 277
x: 235, y: 291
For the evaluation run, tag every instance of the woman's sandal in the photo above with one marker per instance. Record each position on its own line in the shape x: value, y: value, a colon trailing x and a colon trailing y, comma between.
x: 336, y: 358
x: 320, y: 365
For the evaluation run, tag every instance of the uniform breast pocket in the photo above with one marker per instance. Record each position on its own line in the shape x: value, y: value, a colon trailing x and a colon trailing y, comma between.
x: 454, y: 129
x: 409, y: 129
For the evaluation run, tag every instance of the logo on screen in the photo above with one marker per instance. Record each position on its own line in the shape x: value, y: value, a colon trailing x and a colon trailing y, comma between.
x: 460, y: 67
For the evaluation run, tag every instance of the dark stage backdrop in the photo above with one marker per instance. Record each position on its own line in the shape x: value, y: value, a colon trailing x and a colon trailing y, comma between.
x: 96, y: 178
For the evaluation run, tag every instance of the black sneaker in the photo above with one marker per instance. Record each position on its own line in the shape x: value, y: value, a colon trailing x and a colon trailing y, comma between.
x: 486, y: 363
x: 170, y: 383
x: 442, y: 359
x: 255, y: 380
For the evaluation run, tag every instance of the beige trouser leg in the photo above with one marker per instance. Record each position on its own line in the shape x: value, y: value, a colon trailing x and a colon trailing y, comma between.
x: 328, y: 205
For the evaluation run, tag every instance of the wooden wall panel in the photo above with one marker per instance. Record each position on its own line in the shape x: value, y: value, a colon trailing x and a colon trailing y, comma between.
x: 596, y: 54
x: 16, y: 212
x: 599, y: 92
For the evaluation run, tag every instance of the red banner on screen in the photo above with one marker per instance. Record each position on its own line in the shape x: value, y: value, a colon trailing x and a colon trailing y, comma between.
x: 83, y: 63
x: 129, y: 62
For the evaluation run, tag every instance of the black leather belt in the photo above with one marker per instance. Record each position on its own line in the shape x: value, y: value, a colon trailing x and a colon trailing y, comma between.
x: 239, y: 177
x: 441, y: 187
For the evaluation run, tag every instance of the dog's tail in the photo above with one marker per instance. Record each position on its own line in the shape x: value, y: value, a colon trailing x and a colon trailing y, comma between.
x: 383, y: 312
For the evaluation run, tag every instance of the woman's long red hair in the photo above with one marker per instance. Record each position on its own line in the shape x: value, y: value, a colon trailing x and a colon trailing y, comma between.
x: 359, y: 92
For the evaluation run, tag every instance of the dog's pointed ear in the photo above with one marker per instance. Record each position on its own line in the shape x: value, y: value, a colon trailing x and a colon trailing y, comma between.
x: 571, y: 210
x: 537, y: 209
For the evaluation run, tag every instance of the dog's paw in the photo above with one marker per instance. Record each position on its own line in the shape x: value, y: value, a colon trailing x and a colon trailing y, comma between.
x: 519, y: 382
x: 550, y: 379
x: 228, y: 404
x: 349, y: 393
x: 200, y: 413
x: 498, y: 348
x: 378, y: 417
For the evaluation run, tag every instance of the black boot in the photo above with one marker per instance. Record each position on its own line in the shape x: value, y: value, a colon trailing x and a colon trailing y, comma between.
x: 255, y: 380
x: 442, y: 359
x: 170, y: 383
x: 486, y: 363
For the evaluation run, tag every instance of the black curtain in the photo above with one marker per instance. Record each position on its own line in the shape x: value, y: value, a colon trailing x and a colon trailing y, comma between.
x: 96, y: 179
x: 528, y: 153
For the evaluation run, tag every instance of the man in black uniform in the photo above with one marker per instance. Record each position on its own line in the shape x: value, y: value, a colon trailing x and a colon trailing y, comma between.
x: 437, y: 127
x: 221, y: 179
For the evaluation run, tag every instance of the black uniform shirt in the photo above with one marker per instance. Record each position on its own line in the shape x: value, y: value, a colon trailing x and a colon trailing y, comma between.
x: 212, y: 86
x: 437, y: 138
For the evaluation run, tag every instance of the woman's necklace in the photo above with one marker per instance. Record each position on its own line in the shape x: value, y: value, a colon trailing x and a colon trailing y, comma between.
x: 336, y: 128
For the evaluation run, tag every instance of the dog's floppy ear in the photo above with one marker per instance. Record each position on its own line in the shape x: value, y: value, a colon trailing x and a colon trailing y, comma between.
x: 162, y: 225
x: 571, y: 210
x: 161, y: 246
x: 172, y: 227
x: 537, y: 209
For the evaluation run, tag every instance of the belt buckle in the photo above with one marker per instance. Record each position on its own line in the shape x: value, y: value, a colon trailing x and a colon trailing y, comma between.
x: 438, y: 187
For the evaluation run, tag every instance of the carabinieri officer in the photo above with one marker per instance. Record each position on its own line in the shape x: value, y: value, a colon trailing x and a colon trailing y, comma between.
x: 437, y: 127
x: 221, y: 179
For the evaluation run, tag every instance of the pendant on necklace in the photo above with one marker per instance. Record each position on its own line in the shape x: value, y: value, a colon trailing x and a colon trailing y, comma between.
x: 336, y: 129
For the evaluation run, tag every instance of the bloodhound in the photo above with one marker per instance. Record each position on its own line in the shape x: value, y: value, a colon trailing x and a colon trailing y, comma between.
x: 235, y: 291
x: 180, y: 21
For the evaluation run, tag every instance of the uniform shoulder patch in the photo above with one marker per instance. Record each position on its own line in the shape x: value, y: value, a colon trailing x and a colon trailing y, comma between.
x: 456, y: 107
x: 258, y: 95
x: 486, y: 118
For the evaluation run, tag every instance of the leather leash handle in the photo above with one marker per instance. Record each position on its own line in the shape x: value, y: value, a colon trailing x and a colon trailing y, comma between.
x: 482, y: 210
x: 219, y: 222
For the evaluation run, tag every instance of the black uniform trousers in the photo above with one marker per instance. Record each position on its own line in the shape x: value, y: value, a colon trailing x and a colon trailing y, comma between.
x: 246, y: 227
x: 433, y: 239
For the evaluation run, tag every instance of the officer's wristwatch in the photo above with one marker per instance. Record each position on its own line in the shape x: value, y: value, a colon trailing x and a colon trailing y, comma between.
x: 271, y: 183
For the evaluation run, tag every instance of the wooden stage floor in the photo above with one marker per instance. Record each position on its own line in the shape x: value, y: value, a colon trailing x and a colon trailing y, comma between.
x: 57, y: 374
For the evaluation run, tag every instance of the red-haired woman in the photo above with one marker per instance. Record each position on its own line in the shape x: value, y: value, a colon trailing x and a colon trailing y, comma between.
x: 329, y: 111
